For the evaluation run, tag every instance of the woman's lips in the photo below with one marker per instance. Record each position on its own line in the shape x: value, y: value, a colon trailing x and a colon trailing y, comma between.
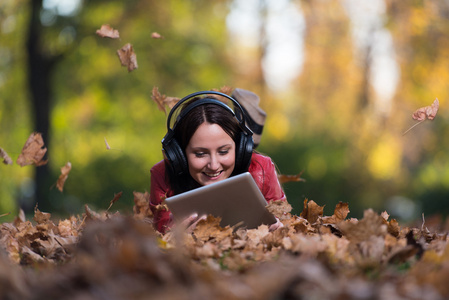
x: 214, y: 175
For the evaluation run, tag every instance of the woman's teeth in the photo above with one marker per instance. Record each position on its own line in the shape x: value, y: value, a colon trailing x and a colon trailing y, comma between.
x: 213, y: 174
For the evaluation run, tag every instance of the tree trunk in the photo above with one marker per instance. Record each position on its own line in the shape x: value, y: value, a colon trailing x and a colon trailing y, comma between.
x: 40, y: 66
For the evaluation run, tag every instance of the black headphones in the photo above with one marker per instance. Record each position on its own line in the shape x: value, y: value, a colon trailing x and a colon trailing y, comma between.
x: 175, y: 156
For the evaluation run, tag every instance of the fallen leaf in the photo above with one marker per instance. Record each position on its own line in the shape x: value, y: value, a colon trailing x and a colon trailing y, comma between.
x: 340, y: 213
x: 210, y: 228
x: 427, y: 112
x: 156, y: 35
x: 127, y: 57
x: 41, y: 217
x: 108, y: 31
x: 6, y: 159
x: 63, y: 177
x: 33, y: 151
x: 141, y: 208
x: 279, y: 208
x: 311, y: 211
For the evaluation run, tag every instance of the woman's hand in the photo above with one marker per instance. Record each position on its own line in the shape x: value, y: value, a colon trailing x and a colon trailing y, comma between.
x: 191, y: 221
x: 276, y: 225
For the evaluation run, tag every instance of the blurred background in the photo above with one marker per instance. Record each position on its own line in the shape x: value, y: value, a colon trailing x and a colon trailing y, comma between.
x: 339, y: 80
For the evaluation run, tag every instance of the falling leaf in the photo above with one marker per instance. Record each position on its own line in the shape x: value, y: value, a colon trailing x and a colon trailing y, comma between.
x: 63, y: 177
x: 108, y: 31
x: 156, y: 35
x: 116, y: 197
x: 33, y: 151
x: 158, y: 98
x: 6, y: 159
x: 288, y: 178
x: 162, y: 100
x: 225, y: 90
x: 427, y: 112
x: 127, y: 57
x: 107, y: 145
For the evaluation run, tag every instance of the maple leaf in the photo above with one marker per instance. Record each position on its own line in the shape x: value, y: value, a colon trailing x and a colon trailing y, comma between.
x: 156, y: 35
x: 108, y: 31
x: 33, y: 151
x: 127, y: 57
x: 6, y: 159
x: 63, y: 177
x: 425, y: 113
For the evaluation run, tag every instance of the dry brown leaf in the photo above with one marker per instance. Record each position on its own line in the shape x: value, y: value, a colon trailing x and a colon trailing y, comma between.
x: 279, y: 208
x: 225, y: 90
x: 288, y: 178
x: 6, y: 159
x: 115, y: 199
x: 156, y: 35
x: 311, y: 211
x: 141, y: 208
x: 210, y: 228
x: 41, y: 217
x: 340, y: 213
x: 427, y: 112
x: 63, y: 177
x: 108, y: 31
x: 158, y: 98
x: 371, y: 225
x: 33, y: 151
x: 162, y: 100
x: 127, y: 57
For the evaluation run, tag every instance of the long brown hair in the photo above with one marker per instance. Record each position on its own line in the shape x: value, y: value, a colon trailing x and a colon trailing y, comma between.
x: 186, y: 127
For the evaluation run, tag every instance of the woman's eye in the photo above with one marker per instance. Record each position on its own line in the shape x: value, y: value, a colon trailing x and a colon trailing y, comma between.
x: 223, y: 152
x: 199, y: 154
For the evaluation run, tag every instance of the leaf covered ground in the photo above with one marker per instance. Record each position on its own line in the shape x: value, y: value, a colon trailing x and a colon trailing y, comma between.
x: 116, y: 256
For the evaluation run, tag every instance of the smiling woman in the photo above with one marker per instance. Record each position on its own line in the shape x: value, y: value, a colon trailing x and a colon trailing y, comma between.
x: 207, y: 143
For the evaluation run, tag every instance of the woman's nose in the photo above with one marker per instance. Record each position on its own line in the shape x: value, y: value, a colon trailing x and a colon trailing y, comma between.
x: 214, y: 164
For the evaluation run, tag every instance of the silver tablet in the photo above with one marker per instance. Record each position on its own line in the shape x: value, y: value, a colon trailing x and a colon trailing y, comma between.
x: 237, y: 200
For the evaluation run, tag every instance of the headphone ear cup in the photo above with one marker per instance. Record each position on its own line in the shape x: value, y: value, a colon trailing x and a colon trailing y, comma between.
x: 175, y: 157
x: 244, y: 153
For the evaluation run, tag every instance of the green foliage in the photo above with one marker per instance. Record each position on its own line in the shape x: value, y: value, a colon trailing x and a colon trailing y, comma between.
x: 327, y: 124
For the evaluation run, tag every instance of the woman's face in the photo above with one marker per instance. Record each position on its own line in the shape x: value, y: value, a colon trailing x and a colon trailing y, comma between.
x: 210, y: 154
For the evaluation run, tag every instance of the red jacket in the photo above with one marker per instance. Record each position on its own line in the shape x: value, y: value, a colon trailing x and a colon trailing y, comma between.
x: 261, y: 168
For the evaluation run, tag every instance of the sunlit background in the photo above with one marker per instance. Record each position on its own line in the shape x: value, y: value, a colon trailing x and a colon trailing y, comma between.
x: 339, y: 80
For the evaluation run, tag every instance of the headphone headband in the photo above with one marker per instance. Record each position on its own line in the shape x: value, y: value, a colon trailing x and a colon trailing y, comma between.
x: 240, y: 117
x: 174, y: 154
